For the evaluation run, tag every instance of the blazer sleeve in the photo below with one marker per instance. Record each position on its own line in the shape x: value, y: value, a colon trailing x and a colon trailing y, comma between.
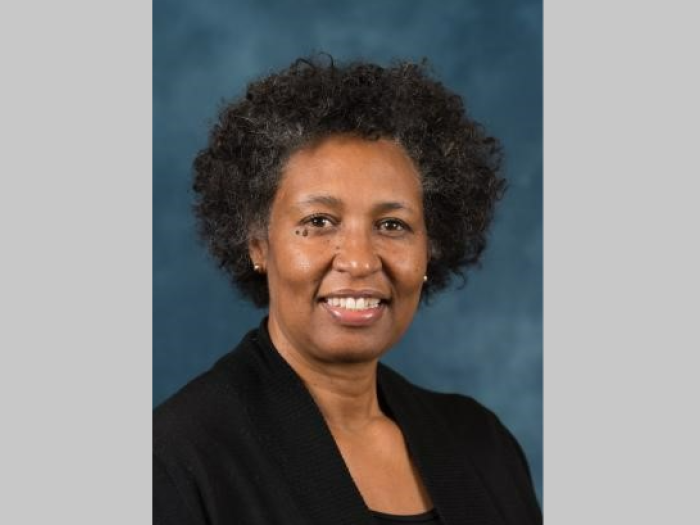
x: 517, y: 468
x: 169, y: 505
x: 525, y: 480
x: 500, y: 459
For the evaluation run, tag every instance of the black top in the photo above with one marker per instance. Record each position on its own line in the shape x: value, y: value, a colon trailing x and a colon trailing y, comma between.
x: 244, y: 443
x: 427, y: 518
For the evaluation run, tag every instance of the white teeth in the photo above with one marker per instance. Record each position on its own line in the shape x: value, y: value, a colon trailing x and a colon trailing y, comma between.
x: 352, y: 303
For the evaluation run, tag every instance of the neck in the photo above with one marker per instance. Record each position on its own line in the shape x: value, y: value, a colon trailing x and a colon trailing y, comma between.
x: 347, y: 398
x: 346, y: 393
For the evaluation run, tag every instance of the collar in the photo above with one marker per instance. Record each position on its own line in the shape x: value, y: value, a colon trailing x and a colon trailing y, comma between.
x: 290, y: 426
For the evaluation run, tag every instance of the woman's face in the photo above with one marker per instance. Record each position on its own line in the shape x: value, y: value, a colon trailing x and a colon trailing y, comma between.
x: 346, y: 250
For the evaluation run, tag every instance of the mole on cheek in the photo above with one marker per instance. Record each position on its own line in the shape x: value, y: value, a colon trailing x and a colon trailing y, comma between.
x: 303, y: 233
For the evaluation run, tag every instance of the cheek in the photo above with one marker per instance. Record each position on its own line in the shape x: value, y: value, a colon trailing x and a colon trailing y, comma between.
x: 410, y: 269
x: 300, y: 260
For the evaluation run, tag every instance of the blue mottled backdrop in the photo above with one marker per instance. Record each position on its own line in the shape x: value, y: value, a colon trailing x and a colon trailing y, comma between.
x: 484, y: 340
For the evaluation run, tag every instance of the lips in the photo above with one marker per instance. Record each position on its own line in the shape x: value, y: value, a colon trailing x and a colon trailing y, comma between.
x: 355, y: 308
x: 354, y: 303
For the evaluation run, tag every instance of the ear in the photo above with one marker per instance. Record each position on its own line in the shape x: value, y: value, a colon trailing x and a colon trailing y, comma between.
x: 257, y: 250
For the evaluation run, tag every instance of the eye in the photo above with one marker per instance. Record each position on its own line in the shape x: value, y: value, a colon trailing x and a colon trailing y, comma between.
x: 319, y: 221
x: 392, y: 225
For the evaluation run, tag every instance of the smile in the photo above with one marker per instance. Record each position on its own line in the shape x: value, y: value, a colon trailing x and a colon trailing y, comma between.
x: 363, y: 309
x: 353, y: 303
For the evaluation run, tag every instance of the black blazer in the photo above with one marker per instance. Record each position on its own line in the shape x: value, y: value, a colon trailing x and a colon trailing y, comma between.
x: 244, y: 443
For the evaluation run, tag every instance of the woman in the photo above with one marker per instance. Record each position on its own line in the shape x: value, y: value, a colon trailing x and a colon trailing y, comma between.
x: 338, y: 197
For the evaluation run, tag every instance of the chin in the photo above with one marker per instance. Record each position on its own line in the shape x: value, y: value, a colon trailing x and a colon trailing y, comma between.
x: 354, y: 355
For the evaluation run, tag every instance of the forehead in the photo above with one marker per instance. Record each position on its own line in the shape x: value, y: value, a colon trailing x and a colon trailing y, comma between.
x: 351, y: 168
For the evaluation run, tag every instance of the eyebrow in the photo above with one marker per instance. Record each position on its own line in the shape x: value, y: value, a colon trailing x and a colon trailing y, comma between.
x: 334, y: 202
x: 325, y: 200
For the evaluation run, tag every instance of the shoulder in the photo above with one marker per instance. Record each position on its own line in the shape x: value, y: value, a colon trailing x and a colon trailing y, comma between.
x: 476, y: 431
x: 201, y: 437
x: 475, y: 427
x: 195, y: 411
x: 457, y: 409
x: 467, y: 419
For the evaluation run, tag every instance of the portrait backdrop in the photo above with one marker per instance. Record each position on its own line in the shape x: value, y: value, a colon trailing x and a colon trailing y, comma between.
x: 482, y: 340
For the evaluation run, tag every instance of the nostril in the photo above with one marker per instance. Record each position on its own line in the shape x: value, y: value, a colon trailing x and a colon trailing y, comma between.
x: 356, y: 254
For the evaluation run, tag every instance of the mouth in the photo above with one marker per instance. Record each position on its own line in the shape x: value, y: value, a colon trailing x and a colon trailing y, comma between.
x: 353, y: 303
x: 355, y: 308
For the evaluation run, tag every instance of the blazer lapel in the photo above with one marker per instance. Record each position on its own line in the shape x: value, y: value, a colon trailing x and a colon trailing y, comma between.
x: 454, y: 484
x: 291, y: 427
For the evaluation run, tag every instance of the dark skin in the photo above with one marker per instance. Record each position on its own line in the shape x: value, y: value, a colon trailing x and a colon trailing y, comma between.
x: 347, y: 222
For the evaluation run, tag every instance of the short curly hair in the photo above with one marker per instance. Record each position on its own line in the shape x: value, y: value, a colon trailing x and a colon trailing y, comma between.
x: 237, y: 174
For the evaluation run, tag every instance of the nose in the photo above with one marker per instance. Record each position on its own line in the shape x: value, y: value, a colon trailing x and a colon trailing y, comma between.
x: 356, y: 254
